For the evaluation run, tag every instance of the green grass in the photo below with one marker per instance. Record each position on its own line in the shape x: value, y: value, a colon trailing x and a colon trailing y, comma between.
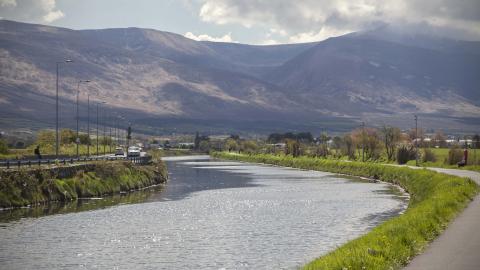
x: 435, y: 200
x: 38, y: 186
x: 441, y: 155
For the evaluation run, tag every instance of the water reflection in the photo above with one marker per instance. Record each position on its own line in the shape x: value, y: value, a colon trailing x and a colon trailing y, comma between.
x: 210, y: 215
x: 85, y: 204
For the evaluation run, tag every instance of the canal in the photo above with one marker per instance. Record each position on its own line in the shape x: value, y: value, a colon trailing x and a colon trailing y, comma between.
x: 212, y: 214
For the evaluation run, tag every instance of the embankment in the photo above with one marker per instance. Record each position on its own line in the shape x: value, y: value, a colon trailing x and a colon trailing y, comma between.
x: 39, y: 186
x: 435, y: 200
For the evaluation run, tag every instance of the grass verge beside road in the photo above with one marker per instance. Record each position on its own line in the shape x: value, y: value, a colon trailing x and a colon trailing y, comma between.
x: 38, y: 186
x: 435, y: 200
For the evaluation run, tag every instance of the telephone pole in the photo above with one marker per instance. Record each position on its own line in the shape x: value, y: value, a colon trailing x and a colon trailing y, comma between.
x: 416, y: 140
x: 363, y: 141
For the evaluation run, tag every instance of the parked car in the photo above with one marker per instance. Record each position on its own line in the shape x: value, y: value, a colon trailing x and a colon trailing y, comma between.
x: 119, y: 151
x: 133, y: 151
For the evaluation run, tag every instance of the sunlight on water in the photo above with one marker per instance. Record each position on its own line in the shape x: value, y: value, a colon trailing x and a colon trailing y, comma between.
x: 211, y: 215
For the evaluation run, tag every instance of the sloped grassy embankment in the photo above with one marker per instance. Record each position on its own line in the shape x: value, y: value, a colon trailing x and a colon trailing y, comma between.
x: 38, y: 186
x: 435, y: 199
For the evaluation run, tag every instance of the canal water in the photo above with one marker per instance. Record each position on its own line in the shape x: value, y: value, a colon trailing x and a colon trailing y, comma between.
x: 211, y: 214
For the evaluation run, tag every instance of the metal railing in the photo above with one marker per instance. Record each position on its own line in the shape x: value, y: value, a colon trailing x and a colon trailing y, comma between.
x: 64, y: 161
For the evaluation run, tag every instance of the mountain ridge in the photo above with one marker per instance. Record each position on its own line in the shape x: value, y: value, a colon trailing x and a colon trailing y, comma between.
x: 154, y: 74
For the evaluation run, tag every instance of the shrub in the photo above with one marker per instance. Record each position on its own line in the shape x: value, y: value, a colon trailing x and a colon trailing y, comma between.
x: 428, y: 155
x: 455, y: 155
x: 405, y: 153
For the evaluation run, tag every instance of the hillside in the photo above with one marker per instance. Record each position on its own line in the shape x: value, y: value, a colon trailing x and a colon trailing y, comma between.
x: 156, y: 78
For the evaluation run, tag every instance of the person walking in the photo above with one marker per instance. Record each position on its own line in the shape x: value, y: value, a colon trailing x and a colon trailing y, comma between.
x: 37, y: 152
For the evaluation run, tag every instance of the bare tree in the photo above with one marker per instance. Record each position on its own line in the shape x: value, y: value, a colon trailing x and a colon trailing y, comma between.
x: 391, y: 137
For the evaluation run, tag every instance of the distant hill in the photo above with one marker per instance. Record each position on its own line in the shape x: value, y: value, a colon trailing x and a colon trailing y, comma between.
x: 165, y: 82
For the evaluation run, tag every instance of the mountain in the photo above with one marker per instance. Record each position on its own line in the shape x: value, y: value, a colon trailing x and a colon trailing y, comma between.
x: 164, y: 82
x: 381, y: 78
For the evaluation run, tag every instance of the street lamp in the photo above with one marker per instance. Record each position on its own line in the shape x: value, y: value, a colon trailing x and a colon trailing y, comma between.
x: 102, y: 102
x: 56, y: 108
x: 104, y: 131
x: 77, y: 141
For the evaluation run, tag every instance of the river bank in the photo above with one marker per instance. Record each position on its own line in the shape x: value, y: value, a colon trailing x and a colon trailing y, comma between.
x: 436, y: 199
x: 28, y: 187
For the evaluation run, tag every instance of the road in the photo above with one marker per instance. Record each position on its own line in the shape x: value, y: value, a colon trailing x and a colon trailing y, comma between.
x: 458, y: 247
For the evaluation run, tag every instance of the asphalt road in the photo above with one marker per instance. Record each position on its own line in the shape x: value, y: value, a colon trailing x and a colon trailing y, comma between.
x: 458, y: 247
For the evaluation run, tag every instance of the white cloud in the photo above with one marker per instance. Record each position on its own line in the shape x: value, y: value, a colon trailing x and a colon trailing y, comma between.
x: 53, y: 16
x: 309, y: 19
x: 203, y: 37
x: 49, y: 8
x: 8, y: 3
x: 269, y: 42
x: 313, y: 36
x: 36, y: 11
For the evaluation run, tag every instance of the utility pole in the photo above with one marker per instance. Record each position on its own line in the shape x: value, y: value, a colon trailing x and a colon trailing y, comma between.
x: 88, y: 125
x: 363, y: 141
x: 97, y: 128
x: 57, y: 142
x: 416, y: 140
x: 104, y: 131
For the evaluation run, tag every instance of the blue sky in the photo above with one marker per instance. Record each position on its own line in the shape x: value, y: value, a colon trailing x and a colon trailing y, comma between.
x: 253, y: 21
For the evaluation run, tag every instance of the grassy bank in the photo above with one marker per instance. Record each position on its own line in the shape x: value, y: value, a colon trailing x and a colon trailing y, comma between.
x: 435, y: 200
x: 39, y: 186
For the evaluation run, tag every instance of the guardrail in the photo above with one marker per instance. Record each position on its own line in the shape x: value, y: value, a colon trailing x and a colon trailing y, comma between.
x: 38, y: 162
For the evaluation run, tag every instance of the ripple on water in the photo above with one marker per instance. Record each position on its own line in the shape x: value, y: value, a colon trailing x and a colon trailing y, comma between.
x: 282, y: 219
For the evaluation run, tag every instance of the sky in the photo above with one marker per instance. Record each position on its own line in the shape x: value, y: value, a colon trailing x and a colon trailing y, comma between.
x: 254, y: 21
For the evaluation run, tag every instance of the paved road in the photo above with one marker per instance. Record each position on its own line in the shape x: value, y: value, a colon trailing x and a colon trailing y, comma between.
x: 458, y: 247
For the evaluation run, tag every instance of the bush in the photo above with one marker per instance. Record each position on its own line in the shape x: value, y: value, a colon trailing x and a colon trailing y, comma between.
x: 428, y: 155
x: 405, y: 153
x: 455, y: 155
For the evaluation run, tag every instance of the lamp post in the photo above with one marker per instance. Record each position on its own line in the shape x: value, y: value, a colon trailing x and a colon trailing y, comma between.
x: 56, y: 108
x: 88, y: 125
x: 102, y: 102
x: 77, y: 141
x: 104, y: 130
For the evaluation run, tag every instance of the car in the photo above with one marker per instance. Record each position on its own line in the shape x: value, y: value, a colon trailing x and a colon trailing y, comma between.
x: 133, y: 151
x: 119, y: 151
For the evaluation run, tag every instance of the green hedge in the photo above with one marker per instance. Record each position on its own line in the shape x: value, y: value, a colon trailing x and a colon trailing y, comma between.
x: 435, y: 199
x: 31, y: 187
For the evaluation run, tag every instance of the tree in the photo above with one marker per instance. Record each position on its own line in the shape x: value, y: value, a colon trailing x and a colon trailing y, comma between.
x: 476, y: 141
x: 204, y: 146
x: 129, y: 136
x: 67, y: 136
x: 440, y: 139
x: 3, y: 147
x: 420, y: 135
x: 84, y: 139
x: 368, y: 141
x: 391, y: 137
x: 348, y: 148
x: 292, y: 147
x: 230, y: 145
x: 249, y: 146
x: 196, y: 141
x: 46, y: 137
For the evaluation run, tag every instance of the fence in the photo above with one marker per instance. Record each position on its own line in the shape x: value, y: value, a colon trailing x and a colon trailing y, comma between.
x: 38, y: 162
